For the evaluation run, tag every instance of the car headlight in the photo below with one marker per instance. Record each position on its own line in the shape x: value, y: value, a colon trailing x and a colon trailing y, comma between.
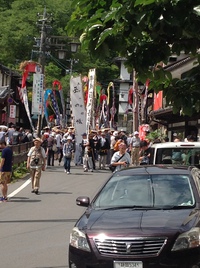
x: 78, y: 240
x: 190, y: 239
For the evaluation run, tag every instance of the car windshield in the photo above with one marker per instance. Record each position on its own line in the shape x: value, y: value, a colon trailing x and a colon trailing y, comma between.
x: 150, y: 191
x: 179, y: 156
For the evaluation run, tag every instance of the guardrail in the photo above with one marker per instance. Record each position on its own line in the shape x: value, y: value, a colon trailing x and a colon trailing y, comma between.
x: 20, y: 151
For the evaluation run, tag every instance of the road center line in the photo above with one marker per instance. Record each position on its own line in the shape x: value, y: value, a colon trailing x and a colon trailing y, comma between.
x: 20, y: 188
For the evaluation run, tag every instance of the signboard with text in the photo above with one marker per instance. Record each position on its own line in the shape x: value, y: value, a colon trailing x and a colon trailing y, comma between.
x: 37, y: 94
x: 12, y: 111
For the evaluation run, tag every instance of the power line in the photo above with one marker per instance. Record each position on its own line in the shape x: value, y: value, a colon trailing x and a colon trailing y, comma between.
x: 58, y: 62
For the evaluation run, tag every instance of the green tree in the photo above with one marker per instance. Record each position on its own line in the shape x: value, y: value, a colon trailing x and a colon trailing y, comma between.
x: 18, y: 26
x: 146, y: 32
x: 18, y: 29
x: 52, y: 72
x: 5, y: 4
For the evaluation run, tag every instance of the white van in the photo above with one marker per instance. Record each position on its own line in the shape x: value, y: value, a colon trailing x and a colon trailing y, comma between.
x: 180, y: 153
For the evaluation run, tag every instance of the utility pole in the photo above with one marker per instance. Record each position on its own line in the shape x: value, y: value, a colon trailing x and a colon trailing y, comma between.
x: 41, y: 59
x: 52, y: 43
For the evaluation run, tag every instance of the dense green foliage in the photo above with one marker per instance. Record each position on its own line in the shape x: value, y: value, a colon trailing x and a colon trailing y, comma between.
x: 20, y: 26
x: 19, y: 171
x: 146, y: 32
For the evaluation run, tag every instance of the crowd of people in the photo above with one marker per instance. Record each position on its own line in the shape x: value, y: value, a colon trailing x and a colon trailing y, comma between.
x: 14, y: 135
x: 100, y: 149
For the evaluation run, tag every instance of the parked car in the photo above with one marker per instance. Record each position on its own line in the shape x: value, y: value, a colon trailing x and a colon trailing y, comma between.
x: 143, y: 217
x: 179, y: 153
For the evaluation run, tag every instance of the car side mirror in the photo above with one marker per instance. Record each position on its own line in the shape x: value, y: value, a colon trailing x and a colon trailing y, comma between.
x: 83, y: 201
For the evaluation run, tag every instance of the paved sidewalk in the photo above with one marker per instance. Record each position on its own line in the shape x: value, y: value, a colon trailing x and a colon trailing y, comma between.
x: 78, y: 168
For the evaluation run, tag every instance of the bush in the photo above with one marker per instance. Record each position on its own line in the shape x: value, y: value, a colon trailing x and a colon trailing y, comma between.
x: 19, y: 171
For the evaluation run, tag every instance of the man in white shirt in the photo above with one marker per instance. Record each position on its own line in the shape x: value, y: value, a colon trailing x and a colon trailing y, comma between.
x: 135, y: 148
x: 58, y: 139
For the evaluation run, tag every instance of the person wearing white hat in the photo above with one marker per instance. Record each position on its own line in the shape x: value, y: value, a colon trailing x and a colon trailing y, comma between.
x: 135, y: 148
x: 115, y: 133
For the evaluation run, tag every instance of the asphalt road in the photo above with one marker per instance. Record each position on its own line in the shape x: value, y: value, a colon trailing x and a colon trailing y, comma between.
x: 34, y: 229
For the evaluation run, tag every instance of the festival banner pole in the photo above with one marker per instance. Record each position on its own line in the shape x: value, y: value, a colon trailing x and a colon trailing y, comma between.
x: 90, y: 101
x: 27, y: 67
x: 79, y: 113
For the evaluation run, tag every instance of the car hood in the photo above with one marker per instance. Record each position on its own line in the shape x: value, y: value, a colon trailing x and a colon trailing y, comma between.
x: 138, y: 219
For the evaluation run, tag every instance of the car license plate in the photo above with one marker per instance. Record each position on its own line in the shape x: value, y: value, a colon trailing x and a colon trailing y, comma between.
x: 127, y: 264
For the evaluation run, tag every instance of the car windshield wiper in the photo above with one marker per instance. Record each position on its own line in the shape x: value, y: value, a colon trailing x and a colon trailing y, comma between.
x: 177, y: 207
x: 124, y: 207
x: 146, y: 207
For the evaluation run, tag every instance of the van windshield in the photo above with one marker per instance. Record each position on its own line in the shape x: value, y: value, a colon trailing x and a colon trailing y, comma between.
x: 179, y: 156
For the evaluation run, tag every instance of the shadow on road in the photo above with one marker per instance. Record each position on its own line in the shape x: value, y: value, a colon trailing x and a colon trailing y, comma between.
x: 40, y: 220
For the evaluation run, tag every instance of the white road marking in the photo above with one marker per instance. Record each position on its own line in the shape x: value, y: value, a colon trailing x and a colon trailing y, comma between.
x: 20, y: 188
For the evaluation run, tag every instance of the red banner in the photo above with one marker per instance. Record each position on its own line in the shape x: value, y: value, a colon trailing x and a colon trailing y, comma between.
x: 142, y: 131
x: 158, y: 100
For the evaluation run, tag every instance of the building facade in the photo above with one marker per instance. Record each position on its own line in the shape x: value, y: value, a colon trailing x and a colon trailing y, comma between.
x: 162, y: 117
x: 11, y: 108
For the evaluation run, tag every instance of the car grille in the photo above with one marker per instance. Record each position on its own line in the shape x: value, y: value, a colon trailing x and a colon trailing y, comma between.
x: 134, y: 247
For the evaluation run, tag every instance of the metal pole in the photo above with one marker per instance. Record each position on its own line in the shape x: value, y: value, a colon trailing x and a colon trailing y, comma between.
x: 135, y: 102
x: 41, y: 60
x: 71, y: 66
x: 9, y: 91
x: 136, y: 106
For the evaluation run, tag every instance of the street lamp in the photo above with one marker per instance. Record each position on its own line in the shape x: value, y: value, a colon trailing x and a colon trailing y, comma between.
x: 62, y: 54
x: 74, y: 46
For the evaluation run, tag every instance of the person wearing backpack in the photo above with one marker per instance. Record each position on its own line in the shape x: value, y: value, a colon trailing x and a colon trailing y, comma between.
x: 36, y: 163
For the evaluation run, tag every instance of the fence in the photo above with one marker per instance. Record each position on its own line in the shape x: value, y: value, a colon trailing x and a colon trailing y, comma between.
x: 20, y: 152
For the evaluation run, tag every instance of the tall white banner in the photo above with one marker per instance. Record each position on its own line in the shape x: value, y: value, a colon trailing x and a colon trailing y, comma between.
x: 90, y: 101
x: 79, y: 114
x: 38, y: 81
x: 78, y: 107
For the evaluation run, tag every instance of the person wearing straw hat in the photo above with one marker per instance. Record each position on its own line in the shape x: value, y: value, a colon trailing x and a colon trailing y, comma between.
x: 36, y: 163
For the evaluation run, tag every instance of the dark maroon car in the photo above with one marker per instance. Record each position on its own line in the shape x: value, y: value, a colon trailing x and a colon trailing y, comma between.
x: 143, y: 217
